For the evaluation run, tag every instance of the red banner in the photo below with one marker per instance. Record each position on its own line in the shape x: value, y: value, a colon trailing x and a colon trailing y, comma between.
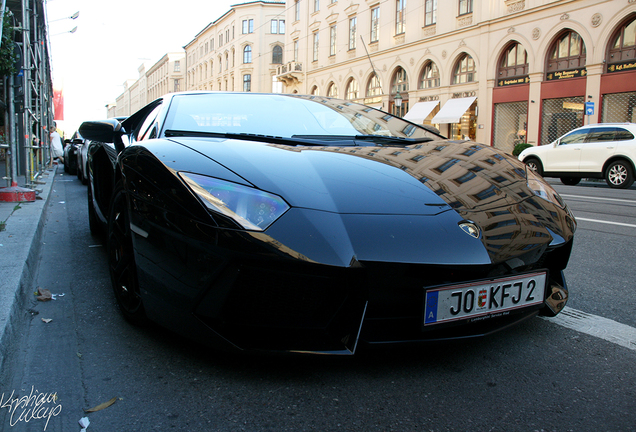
x: 58, y: 104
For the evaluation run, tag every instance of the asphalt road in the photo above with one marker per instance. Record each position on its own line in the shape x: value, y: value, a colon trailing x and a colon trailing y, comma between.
x: 538, y: 376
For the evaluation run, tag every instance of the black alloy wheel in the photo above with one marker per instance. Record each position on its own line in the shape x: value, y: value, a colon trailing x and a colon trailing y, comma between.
x: 121, y: 259
x: 535, y: 165
x: 570, y: 181
x: 619, y: 174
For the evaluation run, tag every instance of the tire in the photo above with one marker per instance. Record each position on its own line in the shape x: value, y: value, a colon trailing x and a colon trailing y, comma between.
x: 121, y: 259
x: 619, y: 174
x: 535, y: 165
x: 570, y: 181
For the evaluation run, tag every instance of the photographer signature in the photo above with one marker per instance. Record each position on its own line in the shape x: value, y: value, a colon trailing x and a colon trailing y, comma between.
x: 35, y: 406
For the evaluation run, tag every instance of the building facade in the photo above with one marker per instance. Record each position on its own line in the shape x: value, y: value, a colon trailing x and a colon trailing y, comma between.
x: 240, y: 51
x: 499, y: 73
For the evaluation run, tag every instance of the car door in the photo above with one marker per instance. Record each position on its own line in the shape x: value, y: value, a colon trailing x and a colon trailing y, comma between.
x: 566, y: 154
x: 599, y: 145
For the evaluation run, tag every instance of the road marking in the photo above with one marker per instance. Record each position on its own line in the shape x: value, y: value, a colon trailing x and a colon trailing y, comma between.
x: 598, y: 198
x: 593, y: 325
x: 606, y: 222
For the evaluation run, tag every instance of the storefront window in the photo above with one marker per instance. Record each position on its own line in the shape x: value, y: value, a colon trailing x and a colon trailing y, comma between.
x: 561, y: 116
x: 510, y: 125
x: 466, y: 129
x: 619, y: 108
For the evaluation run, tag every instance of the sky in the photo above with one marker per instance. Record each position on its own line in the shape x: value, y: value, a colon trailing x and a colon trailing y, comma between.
x: 112, y: 40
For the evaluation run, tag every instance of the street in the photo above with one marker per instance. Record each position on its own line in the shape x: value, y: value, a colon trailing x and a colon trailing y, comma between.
x: 537, y: 376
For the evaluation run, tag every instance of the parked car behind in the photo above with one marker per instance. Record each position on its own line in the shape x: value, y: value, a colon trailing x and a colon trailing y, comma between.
x: 71, y: 148
x: 604, y: 150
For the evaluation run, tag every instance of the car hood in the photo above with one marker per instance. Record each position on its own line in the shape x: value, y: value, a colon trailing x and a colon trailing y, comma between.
x: 420, y: 179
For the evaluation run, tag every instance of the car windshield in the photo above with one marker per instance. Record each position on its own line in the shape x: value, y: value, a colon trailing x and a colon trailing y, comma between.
x: 284, y: 116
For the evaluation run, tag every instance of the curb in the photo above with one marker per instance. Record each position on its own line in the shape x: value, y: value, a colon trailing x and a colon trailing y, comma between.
x: 21, y: 242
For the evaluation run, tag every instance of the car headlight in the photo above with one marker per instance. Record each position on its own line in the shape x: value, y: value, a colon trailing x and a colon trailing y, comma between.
x: 542, y: 189
x: 250, y: 208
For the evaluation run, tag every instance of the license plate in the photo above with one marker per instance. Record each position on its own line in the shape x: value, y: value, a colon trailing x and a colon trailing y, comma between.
x: 475, y: 299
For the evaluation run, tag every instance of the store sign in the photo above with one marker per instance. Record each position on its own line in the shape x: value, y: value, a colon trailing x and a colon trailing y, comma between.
x: 574, y: 73
x: 573, y: 106
x: 513, y: 81
x: 622, y: 67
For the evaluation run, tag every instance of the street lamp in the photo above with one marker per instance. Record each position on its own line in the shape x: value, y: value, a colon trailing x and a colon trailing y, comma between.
x: 74, y: 16
x: 398, y: 100
x: 73, y: 30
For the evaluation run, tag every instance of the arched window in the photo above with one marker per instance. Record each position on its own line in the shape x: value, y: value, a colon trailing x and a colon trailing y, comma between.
x: 567, y: 52
x: 247, y: 54
x: 314, y: 91
x: 513, y: 62
x: 227, y: 61
x: 430, y: 76
x: 400, y: 82
x: 464, y: 70
x: 374, y: 87
x: 351, y: 92
x: 332, y: 90
x: 622, y: 46
x: 277, y: 54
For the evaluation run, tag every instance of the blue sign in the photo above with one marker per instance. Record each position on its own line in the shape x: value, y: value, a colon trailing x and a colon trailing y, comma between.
x: 589, y: 108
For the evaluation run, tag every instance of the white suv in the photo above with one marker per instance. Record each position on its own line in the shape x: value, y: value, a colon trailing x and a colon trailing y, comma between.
x: 605, y: 150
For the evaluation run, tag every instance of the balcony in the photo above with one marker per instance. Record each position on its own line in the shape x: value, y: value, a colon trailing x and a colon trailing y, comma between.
x: 290, y: 73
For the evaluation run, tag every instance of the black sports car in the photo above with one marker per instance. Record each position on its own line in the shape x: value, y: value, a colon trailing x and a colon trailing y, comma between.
x: 310, y: 224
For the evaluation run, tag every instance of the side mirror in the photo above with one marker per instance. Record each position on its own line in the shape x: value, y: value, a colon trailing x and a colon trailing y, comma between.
x: 106, y: 131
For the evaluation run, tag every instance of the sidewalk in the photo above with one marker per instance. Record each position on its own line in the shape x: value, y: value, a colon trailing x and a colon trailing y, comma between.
x: 20, y: 243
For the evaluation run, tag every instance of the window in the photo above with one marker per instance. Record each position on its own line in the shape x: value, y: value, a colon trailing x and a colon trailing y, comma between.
x: 430, y: 12
x: 220, y: 39
x: 465, y: 7
x: 277, y: 54
x: 278, y: 26
x: 332, y: 40
x: 220, y: 65
x: 351, y: 92
x: 314, y: 91
x: 352, y: 32
x: 212, y: 44
x: 375, y: 23
x: 177, y: 66
x: 316, y: 5
x: 623, y: 45
x: 567, y: 52
x: 464, y: 70
x: 400, y: 81
x: 332, y: 90
x: 248, y: 26
x: 177, y: 85
x: 227, y: 61
x: 247, y: 82
x: 227, y: 35
x: 430, y: 76
x: 296, y: 48
x: 400, y: 18
x: 247, y: 54
x: 514, y: 62
x: 297, y: 10
x: 374, y: 88
x: 316, y: 39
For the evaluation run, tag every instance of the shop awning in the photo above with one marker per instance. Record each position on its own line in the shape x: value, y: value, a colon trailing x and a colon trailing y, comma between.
x: 453, y: 110
x: 419, y: 111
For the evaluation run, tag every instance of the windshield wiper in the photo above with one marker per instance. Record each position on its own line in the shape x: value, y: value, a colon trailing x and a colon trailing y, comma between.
x: 295, y: 141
